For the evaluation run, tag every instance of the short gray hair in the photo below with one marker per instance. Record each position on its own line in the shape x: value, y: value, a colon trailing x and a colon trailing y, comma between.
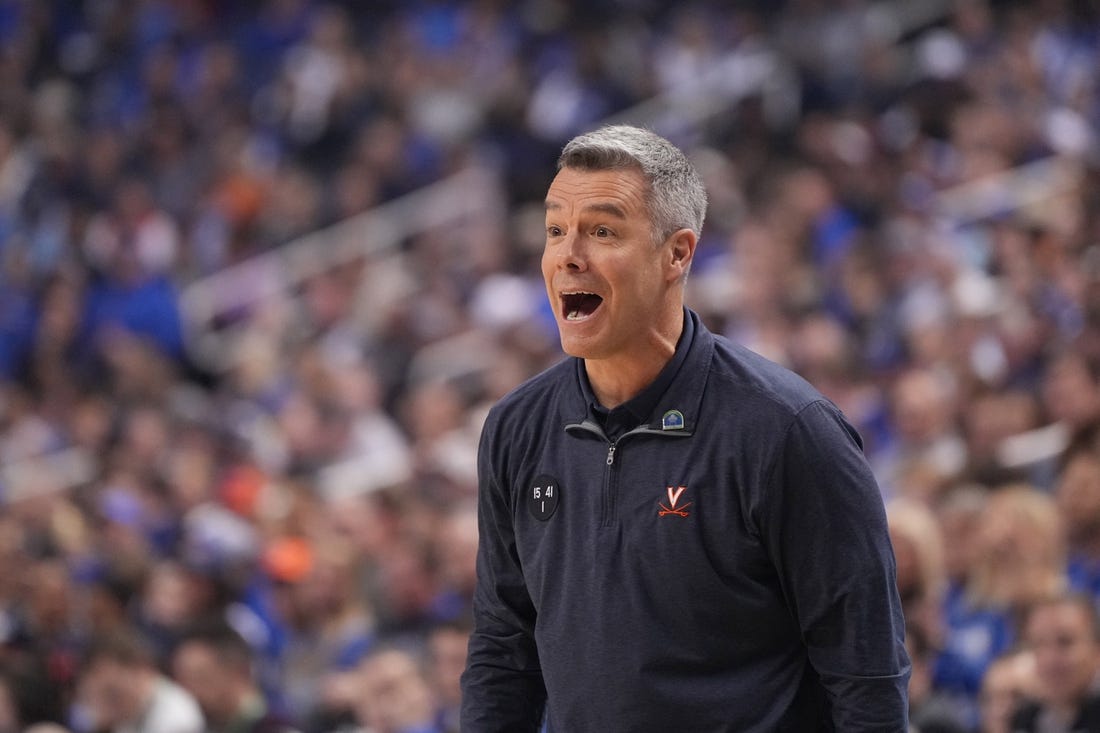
x: 676, y: 196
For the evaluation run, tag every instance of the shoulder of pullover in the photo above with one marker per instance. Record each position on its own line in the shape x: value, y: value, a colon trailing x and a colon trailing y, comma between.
x: 745, y: 376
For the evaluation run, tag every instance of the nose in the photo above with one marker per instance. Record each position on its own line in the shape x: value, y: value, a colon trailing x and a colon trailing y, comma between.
x: 571, y: 254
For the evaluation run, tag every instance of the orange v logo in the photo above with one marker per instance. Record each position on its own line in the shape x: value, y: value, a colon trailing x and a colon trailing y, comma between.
x: 673, y: 497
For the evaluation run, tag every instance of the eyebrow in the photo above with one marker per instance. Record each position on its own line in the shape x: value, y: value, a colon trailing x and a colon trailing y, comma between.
x: 603, y: 208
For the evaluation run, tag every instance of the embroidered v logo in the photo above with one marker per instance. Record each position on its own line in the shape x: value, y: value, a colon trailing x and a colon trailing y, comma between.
x: 673, y: 497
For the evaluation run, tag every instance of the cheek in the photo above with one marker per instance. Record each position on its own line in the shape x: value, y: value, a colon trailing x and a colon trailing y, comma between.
x: 548, y: 266
x: 633, y: 283
x: 1089, y: 492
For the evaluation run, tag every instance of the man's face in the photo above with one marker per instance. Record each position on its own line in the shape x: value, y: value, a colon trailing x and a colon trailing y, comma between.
x: 113, y: 692
x: 606, y: 281
x: 1066, y: 652
x: 394, y: 694
x: 197, y: 668
x: 1006, y: 684
x: 448, y: 654
x: 1078, y: 495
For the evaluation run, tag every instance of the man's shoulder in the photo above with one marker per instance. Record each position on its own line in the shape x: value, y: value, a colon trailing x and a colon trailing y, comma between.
x: 738, y: 370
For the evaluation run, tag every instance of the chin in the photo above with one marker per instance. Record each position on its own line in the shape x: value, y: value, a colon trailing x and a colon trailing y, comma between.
x: 577, y: 347
x: 573, y: 350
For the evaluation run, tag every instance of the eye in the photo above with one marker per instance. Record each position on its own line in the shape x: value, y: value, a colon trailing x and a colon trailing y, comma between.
x: 603, y: 232
x: 553, y: 231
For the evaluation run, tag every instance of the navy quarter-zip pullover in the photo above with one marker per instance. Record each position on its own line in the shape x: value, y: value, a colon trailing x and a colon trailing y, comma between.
x: 723, y: 566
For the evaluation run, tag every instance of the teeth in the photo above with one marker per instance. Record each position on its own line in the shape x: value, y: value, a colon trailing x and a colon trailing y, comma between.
x: 575, y: 298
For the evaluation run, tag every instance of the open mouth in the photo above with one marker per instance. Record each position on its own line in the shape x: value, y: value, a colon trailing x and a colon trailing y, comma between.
x: 578, y: 305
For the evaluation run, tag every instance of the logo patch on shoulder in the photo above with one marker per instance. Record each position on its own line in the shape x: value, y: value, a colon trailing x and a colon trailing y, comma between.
x: 543, y: 497
x: 672, y: 420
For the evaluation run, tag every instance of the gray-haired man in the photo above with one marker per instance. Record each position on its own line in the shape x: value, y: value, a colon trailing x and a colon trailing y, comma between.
x: 676, y: 534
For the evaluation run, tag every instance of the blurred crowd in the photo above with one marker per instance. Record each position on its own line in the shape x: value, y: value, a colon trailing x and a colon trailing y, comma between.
x: 907, y: 213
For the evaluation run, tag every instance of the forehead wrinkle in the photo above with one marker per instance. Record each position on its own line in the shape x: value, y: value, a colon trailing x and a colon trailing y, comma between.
x: 612, y: 192
x: 598, y: 207
x: 606, y: 208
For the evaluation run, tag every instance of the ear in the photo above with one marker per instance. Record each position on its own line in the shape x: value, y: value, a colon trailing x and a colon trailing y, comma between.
x: 681, y: 252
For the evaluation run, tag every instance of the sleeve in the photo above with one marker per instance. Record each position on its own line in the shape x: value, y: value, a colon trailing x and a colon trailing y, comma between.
x: 502, y: 686
x: 826, y: 532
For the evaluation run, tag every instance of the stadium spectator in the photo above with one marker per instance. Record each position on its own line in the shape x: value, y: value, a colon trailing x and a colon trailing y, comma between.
x: 1008, y: 682
x: 215, y: 665
x: 1077, y: 492
x: 322, y: 618
x: 1071, y: 390
x: 927, y: 452
x: 922, y: 578
x: 120, y: 689
x: 1019, y: 558
x: 395, y: 695
x: 929, y: 710
x: 27, y: 694
x: 446, y: 660
x: 1062, y: 634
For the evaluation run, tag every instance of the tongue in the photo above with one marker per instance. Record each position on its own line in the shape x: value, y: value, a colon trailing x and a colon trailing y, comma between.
x: 578, y: 306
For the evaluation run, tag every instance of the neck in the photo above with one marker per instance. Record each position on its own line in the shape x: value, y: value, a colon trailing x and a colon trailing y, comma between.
x: 617, y: 379
x: 1066, y: 710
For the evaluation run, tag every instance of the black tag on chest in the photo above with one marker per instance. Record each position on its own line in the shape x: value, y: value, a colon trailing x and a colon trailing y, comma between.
x: 543, y: 497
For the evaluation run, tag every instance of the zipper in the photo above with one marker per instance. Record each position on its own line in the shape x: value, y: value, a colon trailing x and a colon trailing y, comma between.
x: 609, y: 484
x: 608, y: 490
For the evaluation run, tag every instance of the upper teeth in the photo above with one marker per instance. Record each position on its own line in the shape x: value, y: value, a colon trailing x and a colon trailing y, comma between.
x: 575, y: 314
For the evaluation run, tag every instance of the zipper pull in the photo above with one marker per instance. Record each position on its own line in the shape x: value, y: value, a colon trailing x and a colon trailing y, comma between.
x: 610, y: 454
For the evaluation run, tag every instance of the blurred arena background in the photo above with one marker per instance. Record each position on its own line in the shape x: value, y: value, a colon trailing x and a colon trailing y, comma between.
x: 265, y: 264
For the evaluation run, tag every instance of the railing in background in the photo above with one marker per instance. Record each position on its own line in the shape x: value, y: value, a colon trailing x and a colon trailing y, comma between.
x: 216, y: 307
x: 751, y: 69
x: 209, y: 305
